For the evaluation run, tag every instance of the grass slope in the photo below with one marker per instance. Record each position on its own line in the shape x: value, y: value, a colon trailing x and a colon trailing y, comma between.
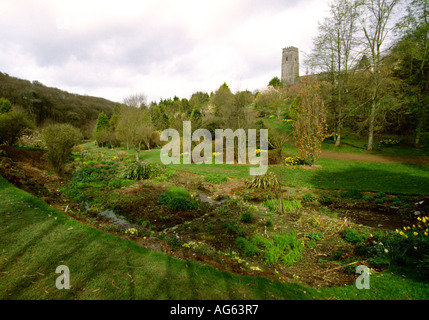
x: 35, y: 239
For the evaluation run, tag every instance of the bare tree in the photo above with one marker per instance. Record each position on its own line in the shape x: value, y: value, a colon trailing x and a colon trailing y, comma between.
x: 334, y: 54
x: 376, y: 22
x: 134, y: 128
x: 310, y: 125
x: 138, y: 100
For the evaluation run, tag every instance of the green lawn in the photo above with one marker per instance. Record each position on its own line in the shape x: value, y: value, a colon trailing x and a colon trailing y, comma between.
x: 350, y: 143
x: 35, y: 239
x: 401, y: 178
x: 364, y: 176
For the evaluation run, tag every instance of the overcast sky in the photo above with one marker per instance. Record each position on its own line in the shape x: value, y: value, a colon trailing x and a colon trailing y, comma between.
x: 113, y: 49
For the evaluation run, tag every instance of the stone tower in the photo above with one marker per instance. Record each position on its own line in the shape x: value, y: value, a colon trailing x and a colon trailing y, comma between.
x: 290, y: 66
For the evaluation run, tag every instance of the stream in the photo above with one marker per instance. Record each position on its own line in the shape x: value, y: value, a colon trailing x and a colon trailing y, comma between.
x: 375, y: 219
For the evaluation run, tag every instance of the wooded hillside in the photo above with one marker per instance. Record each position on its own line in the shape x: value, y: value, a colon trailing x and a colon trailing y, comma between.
x: 46, y: 105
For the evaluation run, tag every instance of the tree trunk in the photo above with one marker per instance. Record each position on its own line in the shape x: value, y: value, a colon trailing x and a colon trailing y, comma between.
x: 338, y: 142
x: 371, y: 127
x: 419, y: 127
x: 339, y: 127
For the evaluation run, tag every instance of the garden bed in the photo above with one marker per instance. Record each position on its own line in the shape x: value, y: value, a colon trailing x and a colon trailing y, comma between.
x: 225, y: 211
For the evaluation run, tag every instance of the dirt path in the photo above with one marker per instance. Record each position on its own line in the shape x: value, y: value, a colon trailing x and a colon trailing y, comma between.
x: 373, y: 157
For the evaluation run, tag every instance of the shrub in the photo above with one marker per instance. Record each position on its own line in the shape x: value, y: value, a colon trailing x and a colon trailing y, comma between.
x: 379, y: 195
x: 173, y: 192
x: 231, y: 227
x: 269, y: 204
x: 285, y: 241
x: 283, y: 247
x: 249, y: 248
x: 121, y: 155
x: 308, y: 198
x: 5, y: 105
x: 60, y: 140
x: 259, y: 240
x: 88, y: 175
x: 12, y: 127
x: 246, y: 217
x: 181, y: 203
x: 139, y: 171
x: 272, y: 255
x: 325, y: 200
x: 267, y: 181
x: 290, y: 205
x: 118, y: 183
x: 381, y: 200
x: 315, y: 235
x: 293, y: 255
x: 353, y: 194
x: 281, y: 205
x: 177, y: 198
x: 354, y: 236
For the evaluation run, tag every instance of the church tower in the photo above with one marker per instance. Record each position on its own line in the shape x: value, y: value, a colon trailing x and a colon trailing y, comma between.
x: 290, y: 66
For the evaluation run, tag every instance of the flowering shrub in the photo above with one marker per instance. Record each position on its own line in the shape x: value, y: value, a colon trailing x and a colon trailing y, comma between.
x: 294, y: 161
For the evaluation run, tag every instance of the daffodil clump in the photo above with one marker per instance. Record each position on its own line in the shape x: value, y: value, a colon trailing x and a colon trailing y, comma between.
x: 131, y: 232
x: 259, y: 151
x: 388, y: 142
x: 419, y: 229
x: 294, y: 161
x: 407, y: 246
x: 192, y: 245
